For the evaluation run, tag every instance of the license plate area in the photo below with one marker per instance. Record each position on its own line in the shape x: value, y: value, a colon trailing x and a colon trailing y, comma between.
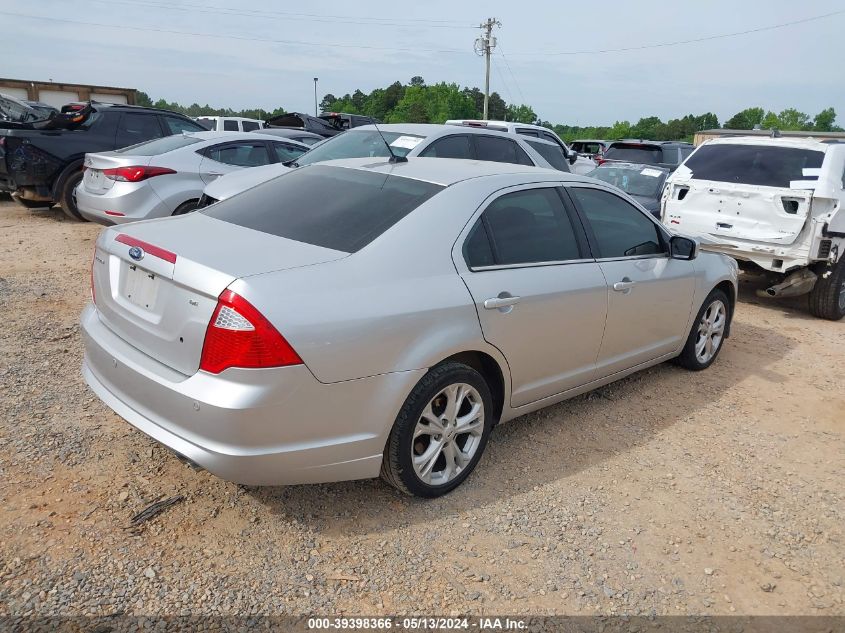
x: 140, y: 287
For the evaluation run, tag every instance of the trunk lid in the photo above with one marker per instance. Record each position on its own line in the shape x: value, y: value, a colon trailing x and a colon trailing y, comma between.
x: 93, y: 178
x: 161, y: 303
x: 771, y: 215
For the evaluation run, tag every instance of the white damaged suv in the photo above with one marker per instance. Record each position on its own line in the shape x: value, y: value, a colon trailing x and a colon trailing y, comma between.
x: 775, y: 205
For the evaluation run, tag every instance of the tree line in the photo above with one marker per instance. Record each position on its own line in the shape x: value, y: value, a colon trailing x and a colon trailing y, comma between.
x: 419, y: 102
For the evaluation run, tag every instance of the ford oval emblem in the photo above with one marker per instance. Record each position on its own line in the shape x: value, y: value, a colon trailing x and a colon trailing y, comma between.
x: 136, y: 253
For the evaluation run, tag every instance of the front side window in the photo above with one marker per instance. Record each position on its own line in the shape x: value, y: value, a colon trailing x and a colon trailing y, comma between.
x: 524, y: 227
x: 620, y: 229
x: 230, y: 126
x: 500, y: 150
x: 177, y: 125
x: 552, y: 153
x: 250, y: 154
x: 286, y: 151
x: 457, y: 146
x: 135, y: 128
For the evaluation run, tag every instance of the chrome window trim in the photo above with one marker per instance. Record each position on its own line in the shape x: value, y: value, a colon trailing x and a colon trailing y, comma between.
x: 563, y: 262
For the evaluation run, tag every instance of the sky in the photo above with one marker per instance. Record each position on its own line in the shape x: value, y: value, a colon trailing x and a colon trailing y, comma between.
x: 265, y: 54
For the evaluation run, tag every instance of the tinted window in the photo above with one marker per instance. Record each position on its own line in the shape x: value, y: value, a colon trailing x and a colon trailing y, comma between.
x: 764, y: 165
x: 286, y: 152
x: 176, y: 125
x: 635, y: 153
x: 135, y: 128
x: 621, y: 230
x: 240, y: 154
x: 550, y: 137
x: 342, y: 209
x: 159, y: 145
x: 250, y: 126
x: 530, y: 226
x: 552, y: 153
x: 361, y: 144
x: 208, y: 124
x: 635, y: 181
x: 500, y: 150
x: 477, y: 250
x: 527, y: 132
x: 230, y: 126
x: 308, y: 140
x: 449, y: 147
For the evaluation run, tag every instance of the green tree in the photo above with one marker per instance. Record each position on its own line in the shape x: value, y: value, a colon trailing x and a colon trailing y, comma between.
x: 770, y: 121
x: 521, y: 114
x: 620, y: 129
x: 792, y: 119
x: 746, y: 119
x: 417, y: 81
x: 143, y: 99
x: 825, y: 120
x: 327, y: 101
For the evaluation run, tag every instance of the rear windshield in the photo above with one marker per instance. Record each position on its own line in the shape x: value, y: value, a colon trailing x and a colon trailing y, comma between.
x: 635, y: 181
x: 650, y: 154
x: 159, y: 145
x: 333, y: 207
x: 552, y: 153
x: 361, y: 144
x: 762, y: 165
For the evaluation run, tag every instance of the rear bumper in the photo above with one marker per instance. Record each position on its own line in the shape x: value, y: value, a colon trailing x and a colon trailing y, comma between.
x: 256, y: 427
x: 132, y: 201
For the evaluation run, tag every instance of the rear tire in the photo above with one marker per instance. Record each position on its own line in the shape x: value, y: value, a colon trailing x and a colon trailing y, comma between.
x: 187, y: 207
x: 827, y: 298
x: 708, y: 333
x: 427, y: 454
x: 67, y: 197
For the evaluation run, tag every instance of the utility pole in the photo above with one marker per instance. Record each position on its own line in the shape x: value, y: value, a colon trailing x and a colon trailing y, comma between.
x: 315, y: 95
x: 484, y: 46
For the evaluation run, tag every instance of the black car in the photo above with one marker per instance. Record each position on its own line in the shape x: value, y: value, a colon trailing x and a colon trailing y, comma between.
x: 667, y: 154
x: 644, y: 183
x: 41, y: 164
x: 328, y: 124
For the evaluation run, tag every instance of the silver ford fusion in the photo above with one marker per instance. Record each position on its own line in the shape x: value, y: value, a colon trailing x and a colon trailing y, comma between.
x: 364, y: 317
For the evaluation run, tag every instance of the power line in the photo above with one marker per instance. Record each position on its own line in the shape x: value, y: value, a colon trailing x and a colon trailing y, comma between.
x: 515, y: 80
x: 303, y: 17
x: 123, y: 27
x: 690, y: 41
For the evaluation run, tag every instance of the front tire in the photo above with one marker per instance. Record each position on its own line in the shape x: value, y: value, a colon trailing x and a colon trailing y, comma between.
x: 827, y: 298
x: 440, y: 432
x: 708, y: 333
x: 67, y: 197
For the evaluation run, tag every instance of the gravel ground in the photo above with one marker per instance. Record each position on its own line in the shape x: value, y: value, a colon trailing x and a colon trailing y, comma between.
x: 666, y: 493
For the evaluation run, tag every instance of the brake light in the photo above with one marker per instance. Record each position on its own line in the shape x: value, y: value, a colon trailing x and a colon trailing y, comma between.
x: 238, y: 335
x: 115, y: 213
x: 136, y: 173
x: 601, y: 161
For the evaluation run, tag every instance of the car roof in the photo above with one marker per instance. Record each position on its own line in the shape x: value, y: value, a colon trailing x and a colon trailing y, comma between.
x: 590, y: 140
x: 126, y: 106
x: 431, y: 130
x: 445, y: 171
x: 226, y: 136
x: 287, y: 132
x: 644, y: 141
x: 801, y: 143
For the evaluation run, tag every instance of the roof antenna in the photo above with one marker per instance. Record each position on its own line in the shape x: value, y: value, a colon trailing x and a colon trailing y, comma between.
x: 393, y: 157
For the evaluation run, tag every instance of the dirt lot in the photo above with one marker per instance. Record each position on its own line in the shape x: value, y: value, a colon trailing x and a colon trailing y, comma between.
x: 669, y: 492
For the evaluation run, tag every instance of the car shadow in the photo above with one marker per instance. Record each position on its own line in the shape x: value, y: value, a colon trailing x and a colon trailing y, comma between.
x: 546, y: 446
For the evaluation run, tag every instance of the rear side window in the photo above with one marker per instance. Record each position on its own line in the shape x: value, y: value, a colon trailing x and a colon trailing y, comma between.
x: 158, y: 146
x: 457, y: 146
x: 332, y: 207
x: 500, y: 150
x: 230, y: 126
x: 286, y: 151
x: 250, y: 126
x: 762, y: 165
x: 620, y: 229
x: 552, y: 153
x: 650, y: 154
x: 240, y: 154
x: 524, y: 227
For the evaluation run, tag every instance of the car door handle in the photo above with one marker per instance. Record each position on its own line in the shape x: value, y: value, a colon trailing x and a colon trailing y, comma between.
x: 624, y: 286
x: 500, y: 302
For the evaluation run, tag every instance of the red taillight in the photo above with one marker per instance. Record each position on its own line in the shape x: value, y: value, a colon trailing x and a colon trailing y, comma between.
x: 116, y: 213
x: 238, y: 335
x: 136, y: 173
x: 600, y: 161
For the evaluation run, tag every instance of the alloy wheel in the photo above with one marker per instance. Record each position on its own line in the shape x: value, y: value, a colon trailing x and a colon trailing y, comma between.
x: 711, y: 331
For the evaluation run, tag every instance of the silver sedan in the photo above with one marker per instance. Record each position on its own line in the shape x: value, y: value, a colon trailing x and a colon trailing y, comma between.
x: 166, y: 176
x: 364, y: 317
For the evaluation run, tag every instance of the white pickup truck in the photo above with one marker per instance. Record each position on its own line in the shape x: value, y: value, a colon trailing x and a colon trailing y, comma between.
x: 775, y: 205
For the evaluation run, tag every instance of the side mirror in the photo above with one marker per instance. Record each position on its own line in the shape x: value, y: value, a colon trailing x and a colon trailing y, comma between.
x: 573, y: 156
x: 683, y: 248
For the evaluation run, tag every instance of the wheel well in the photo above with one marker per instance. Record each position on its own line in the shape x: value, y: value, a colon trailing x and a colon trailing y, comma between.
x: 728, y: 288
x: 487, y: 366
x: 63, y: 176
